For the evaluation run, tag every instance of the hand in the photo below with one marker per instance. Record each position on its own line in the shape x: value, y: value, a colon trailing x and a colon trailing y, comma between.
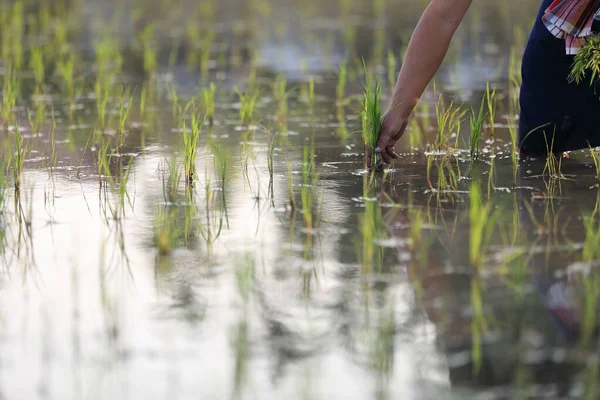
x: 392, y: 128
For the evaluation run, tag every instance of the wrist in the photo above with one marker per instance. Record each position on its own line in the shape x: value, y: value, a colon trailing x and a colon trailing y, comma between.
x: 401, y: 108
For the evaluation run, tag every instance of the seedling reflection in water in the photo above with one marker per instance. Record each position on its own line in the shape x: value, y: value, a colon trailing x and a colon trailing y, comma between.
x: 309, y: 188
x: 372, y: 226
x: 483, y: 220
x: 171, y: 182
x: 272, y: 144
x: 166, y: 230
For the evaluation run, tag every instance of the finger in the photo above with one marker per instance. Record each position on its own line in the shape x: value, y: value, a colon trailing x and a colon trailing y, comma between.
x: 399, y: 134
x: 384, y: 139
x: 385, y: 157
x: 392, y: 153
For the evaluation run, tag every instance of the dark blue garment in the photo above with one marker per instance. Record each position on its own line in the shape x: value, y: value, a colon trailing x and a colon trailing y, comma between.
x: 568, y: 112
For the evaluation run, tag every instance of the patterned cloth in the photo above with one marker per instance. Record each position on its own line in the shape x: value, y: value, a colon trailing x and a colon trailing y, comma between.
x: 572, y: 20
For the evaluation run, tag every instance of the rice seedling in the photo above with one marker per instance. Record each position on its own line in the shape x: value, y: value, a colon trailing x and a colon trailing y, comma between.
x: 490, y: 99
x: 514, y: 147
x: 211, y: 230
x: 447, y: 175
x: 514, y: 69
x: 491, y: 175
x: 102, y: 97
x: 208, y: 97
x: 271, y: 146
x: 109, y: 59
x: 66, y: 71
x: 176, y: 109
x: 281, y: 94
x: 392, y: 75
x: 12, y: 37
x: 206, y: 52
x: 553, y: 164
x: 340, y: 89
x: 52, y: 157
x: 342, y: 130
x: 190, y: 142
x: 36, y: 63
x: 587, y: 61
x: 3, y: 186
x: 18, y: 158
x: 36, y: 121
x: 419, y: 125
x: 121, y: 186
x: 372, y: 117
x: 248, y: 103
x: 125, y: 103
x: 449, y: 119
x: 143, y: 99
x: 103, y: 163
x: 9, y: 96
x: 311, y: 94
x: 476, y: 125
x: 150, y: 51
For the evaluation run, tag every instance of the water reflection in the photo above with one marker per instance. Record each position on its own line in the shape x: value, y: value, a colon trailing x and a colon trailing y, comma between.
x: 281, y: 269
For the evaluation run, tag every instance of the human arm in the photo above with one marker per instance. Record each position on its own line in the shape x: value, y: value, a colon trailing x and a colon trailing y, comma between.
x: 426, y: 51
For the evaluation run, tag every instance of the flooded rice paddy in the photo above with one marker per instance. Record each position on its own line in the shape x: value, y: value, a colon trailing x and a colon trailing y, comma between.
x: 185, y: 212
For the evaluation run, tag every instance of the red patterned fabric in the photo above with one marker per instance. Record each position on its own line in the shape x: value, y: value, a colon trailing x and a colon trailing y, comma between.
x: 572, y: 20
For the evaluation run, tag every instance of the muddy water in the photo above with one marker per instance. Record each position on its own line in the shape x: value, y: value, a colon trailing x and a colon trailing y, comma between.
x: 224, y: 290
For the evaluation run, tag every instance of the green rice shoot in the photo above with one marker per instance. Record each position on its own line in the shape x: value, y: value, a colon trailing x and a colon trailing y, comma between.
x: 372, y: 117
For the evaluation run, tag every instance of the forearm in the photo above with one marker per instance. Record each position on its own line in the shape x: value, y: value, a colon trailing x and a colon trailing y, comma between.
x: 426, y: 51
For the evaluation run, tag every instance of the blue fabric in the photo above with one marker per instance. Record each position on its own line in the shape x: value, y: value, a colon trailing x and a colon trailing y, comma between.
x: 551, y: 107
